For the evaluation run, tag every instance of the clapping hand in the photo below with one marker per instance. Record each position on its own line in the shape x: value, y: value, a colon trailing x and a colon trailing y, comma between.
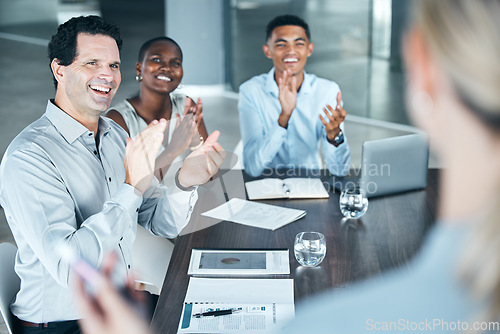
x: 185, y: 128
x: 197, y: 111
x: 333, y: 118
x: 140, y: 155
x: 287, y: 86
x: 203, y: 163
x: 185, y: 134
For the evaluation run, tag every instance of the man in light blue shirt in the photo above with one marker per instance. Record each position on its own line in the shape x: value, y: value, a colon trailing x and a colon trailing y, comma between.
x: 287, y: 114
x: 73, y: 180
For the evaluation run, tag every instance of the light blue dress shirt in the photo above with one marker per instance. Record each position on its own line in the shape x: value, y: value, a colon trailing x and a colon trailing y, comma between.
x: 57, y: 186
x: 425, y: 297
x: 268, y: 145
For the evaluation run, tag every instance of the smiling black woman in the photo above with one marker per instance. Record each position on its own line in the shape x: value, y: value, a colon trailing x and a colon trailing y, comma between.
x: 159, y: 72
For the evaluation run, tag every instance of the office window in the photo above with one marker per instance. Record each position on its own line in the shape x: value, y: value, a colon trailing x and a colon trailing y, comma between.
x: 353, y: 46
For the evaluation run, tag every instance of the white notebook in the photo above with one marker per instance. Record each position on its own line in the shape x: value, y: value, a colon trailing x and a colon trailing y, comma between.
x: 287, y: 188
x: 261, y: 305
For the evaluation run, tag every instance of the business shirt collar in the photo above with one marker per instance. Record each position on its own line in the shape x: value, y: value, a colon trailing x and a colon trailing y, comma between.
x: 272, y: 85
x: 69, y: 127
x: 307, y: 84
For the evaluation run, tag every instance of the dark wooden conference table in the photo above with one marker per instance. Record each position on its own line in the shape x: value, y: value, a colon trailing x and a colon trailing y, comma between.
x: 387, y: 236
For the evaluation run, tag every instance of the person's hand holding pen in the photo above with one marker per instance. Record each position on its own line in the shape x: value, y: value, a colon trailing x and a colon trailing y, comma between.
x: 332, y: 119
x: 107, y: 311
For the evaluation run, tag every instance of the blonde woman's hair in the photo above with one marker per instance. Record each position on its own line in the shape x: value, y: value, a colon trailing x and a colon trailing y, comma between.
x: 464, y: 38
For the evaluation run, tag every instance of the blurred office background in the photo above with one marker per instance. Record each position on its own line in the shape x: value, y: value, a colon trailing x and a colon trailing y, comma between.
x: 357, y: 44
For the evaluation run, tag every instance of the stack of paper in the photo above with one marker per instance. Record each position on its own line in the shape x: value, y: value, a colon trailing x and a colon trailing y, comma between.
x: 255, y: 214
x: 287, y: 188
x: 261, y: 305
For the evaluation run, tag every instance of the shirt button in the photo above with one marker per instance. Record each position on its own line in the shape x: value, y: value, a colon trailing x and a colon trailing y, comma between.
x: 95, y: 152
x: 137, y: 210
x: 90, y: 134
x: 129, y: 266
x: 109, y: 179
x: 121, y: 238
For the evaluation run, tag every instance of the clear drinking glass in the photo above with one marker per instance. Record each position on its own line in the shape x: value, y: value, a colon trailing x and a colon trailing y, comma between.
x: 309, y: 248
x: 353, y: 202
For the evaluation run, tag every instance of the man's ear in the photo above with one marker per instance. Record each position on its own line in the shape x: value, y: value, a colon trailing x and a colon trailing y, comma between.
x: 310, y: 49
x: 266, y: 50
x: 58, y: 70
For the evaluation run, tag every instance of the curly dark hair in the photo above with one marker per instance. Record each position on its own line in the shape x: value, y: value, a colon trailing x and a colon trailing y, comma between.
x: 63, y: 44
x: 286, y: 20
x: 150, y: 42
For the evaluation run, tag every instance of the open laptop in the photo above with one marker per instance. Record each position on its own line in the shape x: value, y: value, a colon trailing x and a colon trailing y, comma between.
x: 390, y: 165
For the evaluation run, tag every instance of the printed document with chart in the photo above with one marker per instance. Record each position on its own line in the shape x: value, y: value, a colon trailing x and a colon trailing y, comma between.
x: 255, y: 214
x: 260, y: 305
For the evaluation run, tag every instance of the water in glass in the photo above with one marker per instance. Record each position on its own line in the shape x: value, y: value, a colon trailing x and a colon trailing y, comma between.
x: 353, y: 202
x: 310, y: 248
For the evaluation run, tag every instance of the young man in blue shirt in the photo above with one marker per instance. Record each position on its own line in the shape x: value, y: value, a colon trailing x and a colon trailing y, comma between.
x: 287, y: 114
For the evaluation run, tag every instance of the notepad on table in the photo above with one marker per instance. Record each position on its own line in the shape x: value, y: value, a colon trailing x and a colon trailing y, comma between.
x: 288, y: 188
x: 263, y: 305
x: 255, y: 214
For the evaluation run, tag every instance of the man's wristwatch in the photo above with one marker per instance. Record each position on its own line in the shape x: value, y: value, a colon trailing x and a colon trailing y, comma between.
x: 339, y: 138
